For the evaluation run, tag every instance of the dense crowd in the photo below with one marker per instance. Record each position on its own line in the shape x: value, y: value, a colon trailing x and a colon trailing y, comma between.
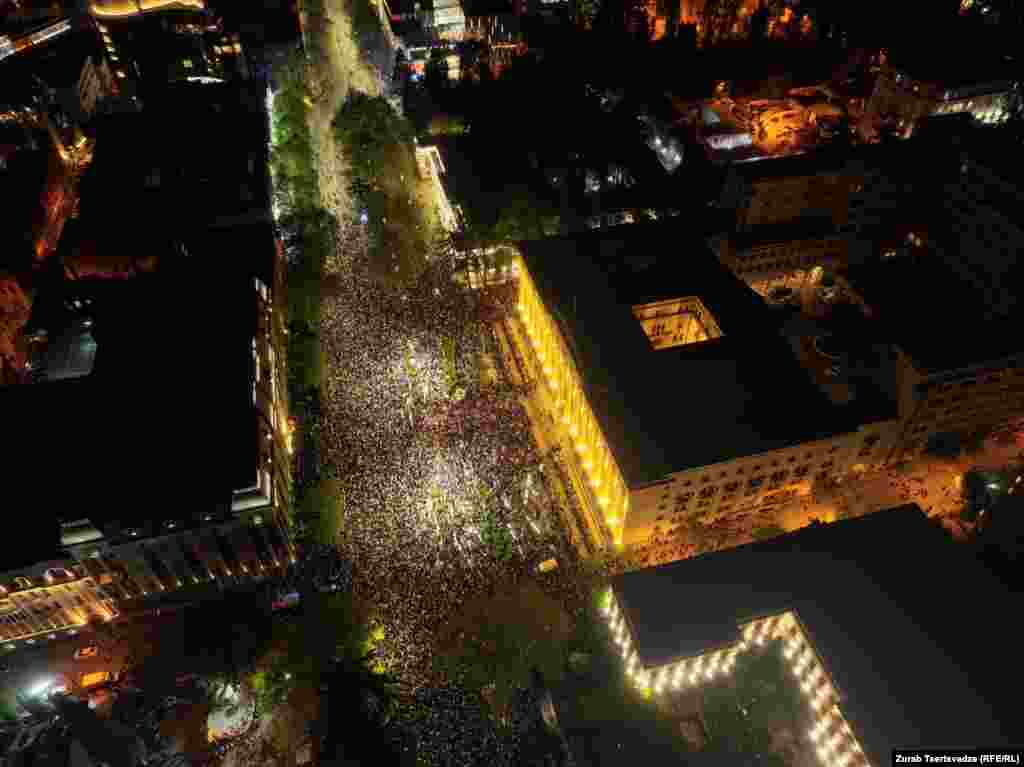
x: 429, y: 456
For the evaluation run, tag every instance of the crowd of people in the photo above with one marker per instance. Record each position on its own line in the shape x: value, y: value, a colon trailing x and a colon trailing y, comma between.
x: 427, y: 453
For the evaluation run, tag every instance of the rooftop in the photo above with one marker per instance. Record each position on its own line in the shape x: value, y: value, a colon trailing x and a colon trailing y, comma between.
x: 222, y: 175
x: 800, y: 229
x: 687, y: 406
x: 165, y: 421
x: 876, y: 597
x: 904, y: 294
x: 931, y: 60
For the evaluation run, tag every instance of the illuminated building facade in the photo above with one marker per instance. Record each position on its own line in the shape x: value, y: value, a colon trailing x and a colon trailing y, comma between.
x: 783, y: 254
x: 598, y: 479
x: 50, y: 598
x: 654, y: 375
x: 784, y: 189
x: 867, y: 636
x: 446, y: 20
x: 909, y: 98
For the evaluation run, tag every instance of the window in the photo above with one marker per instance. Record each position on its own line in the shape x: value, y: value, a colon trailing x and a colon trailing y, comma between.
x: 871, y: 440
x: 705, y: 479
x: 779, y: 476
x: 755, y: 483
x: 827, y: 464
x: 709, y: 491
x: 732, y: 487
x: 801, y: 471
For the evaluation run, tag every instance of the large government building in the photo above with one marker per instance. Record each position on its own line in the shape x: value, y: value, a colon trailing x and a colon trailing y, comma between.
x: 675, y: 390
x: 862, y: 625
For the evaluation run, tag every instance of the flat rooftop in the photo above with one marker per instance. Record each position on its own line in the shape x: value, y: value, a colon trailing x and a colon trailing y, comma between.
x: 908, y: 295
x: 211, y: 164
x: 686, y: 406
x: 886, y: 600
x: 163, y: 427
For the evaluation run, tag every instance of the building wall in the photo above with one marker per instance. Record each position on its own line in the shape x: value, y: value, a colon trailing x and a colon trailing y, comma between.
x: 48, y: 598
x: 753, y: 483
x: 605, y: 497
x: 971, y: 401
x: 15, y: 309
x: 270, y: 489
x: 769, y: 260
x: 778, y: 200
x: 987, y: 233
x: 221, y: 551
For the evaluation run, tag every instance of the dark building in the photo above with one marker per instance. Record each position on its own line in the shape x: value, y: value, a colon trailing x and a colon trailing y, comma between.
x: 173, y: 447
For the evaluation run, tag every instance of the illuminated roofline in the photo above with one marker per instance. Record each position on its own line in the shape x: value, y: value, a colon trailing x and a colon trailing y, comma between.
x: 812, y: 674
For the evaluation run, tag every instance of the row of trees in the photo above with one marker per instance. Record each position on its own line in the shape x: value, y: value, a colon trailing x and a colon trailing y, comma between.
x: 309, y: 234
x: 396, y: 203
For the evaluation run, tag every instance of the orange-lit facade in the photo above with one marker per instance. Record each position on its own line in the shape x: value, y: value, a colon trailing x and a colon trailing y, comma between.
x: 50, y: 598
x: 598, y: 481
x: 638, y: 516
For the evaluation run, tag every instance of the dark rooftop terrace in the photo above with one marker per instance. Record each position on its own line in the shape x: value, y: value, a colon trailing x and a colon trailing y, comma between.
x: 910, y: 627
x: 687, y: 406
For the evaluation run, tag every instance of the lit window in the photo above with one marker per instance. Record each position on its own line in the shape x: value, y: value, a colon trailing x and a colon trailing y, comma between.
x: 187, y: 63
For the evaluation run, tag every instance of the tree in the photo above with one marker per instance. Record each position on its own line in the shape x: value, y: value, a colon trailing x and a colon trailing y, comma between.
x: 758, y: 704
x: 368, y: 128
x: 606, y: 718
x: 498, y: 642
